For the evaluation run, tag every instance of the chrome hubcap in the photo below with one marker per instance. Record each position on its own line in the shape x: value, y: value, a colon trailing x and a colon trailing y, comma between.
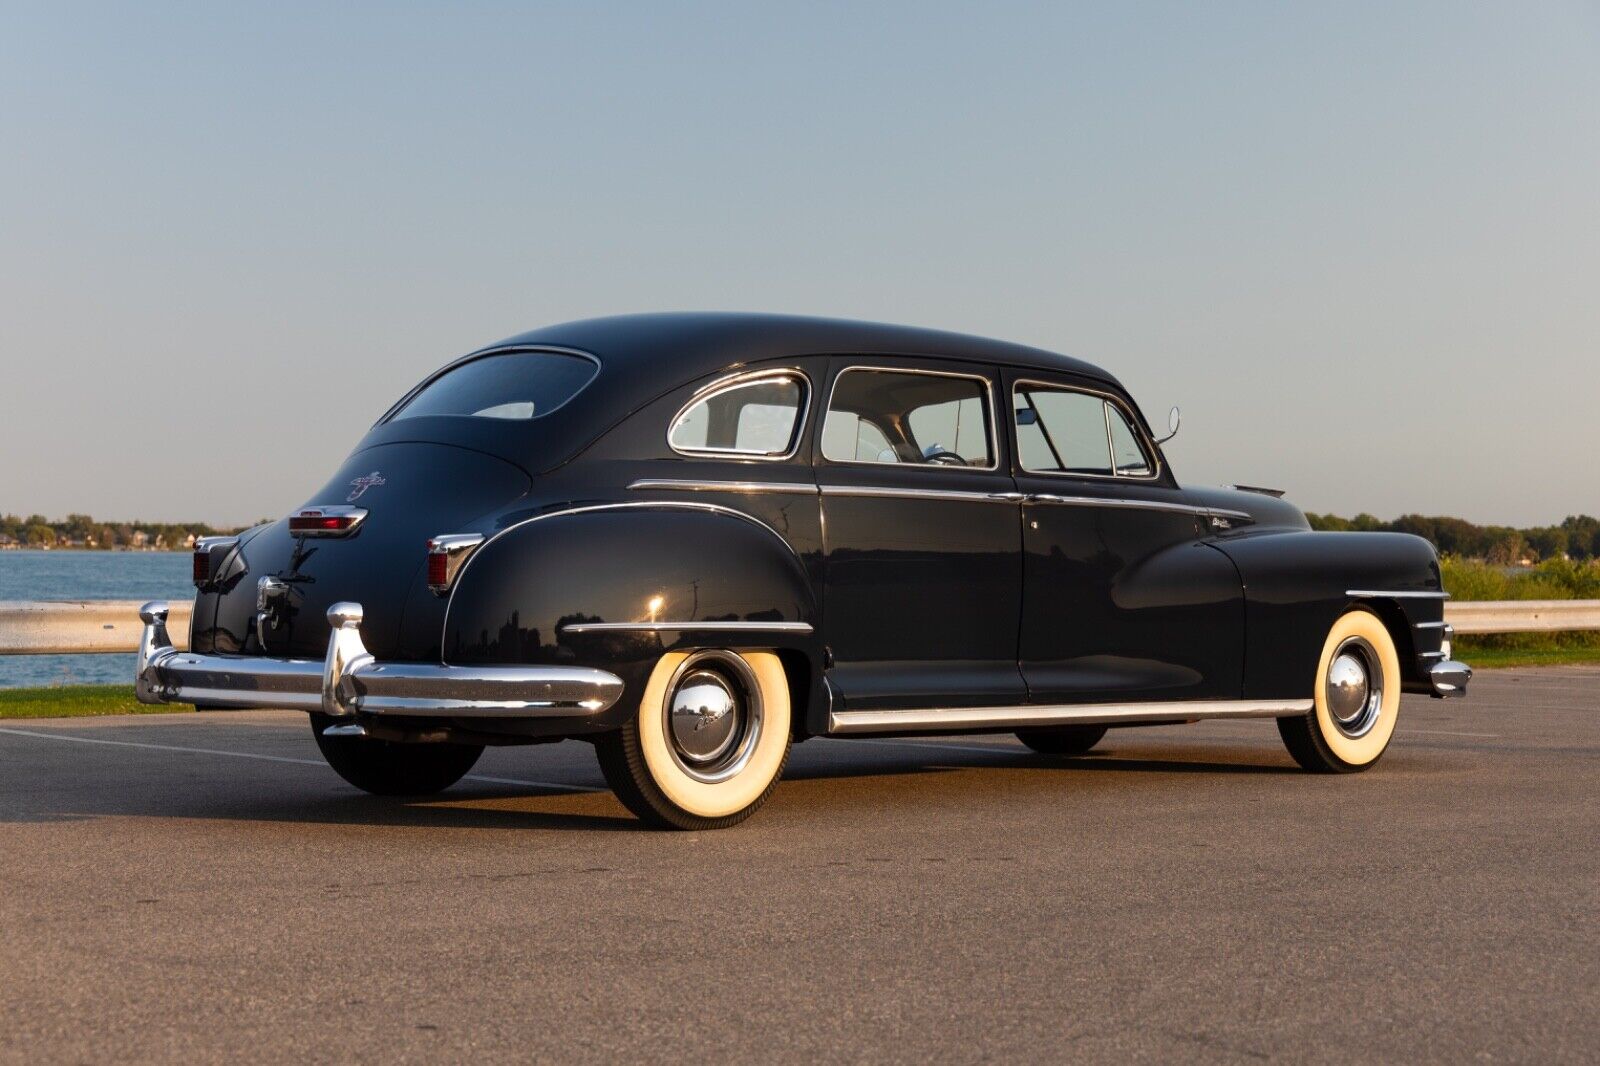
x: 713, y: 715
x: 1353, y: 690
x: 704, y: 716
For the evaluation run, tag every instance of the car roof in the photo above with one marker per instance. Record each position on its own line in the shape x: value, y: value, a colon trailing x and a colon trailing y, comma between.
x: 694, y: 344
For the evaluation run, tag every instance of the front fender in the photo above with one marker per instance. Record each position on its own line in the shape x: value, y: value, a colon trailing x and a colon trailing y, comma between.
x: 546, y: 591
x: 1297, y: 583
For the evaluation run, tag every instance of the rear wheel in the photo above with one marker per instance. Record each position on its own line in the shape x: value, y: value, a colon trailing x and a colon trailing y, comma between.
x: 1062, y: 740
x: 1356, y: 702
x: 709, y: 742
x: 391, y: 768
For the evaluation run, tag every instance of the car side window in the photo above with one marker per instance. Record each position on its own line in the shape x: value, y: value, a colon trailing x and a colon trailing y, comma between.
x: 757, y: 417
x: 1126, y: 453
x: 907, y: 416
x: 1064, y: 431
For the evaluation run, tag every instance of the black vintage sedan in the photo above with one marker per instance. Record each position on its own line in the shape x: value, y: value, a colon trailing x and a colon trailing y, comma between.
x: 695, y: 539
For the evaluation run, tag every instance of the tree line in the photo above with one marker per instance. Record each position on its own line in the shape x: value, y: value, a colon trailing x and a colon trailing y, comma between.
x: 1578, y: 537
x: 82, y: 531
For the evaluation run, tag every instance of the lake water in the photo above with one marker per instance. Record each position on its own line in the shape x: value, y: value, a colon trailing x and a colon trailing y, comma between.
x: 84, y: 575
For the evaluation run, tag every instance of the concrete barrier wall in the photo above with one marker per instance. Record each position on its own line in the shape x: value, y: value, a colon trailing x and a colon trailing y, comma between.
x: 80, y: 626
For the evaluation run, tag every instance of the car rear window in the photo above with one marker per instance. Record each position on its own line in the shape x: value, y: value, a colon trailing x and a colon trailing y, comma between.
x: 506, y: 385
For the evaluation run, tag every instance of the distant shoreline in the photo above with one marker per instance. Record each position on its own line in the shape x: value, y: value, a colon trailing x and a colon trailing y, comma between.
x: 19, y: 548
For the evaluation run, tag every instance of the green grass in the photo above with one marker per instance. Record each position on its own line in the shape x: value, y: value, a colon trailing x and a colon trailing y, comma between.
x: 74, y: 701
x: 1496, y: 658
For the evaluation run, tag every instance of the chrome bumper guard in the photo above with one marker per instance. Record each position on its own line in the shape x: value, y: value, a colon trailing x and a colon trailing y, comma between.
x: 349, y: 681
x: 1449, y: 678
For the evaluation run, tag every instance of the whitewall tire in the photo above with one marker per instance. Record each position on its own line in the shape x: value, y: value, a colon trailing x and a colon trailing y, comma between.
x: 1356, y: 700
x: 709, y: 742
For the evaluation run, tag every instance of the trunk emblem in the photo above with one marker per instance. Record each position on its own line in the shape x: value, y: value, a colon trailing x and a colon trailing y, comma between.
x: 361, y: 484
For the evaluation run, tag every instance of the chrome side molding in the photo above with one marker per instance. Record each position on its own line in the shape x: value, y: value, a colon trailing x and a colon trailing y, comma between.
x: 896, y: 492
x: 689, y: 485
x: 1395, y: 594
x: 687, y: 627
x: 958, y: 719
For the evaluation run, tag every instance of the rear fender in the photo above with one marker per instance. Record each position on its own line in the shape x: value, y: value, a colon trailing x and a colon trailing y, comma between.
x: 600, y: 586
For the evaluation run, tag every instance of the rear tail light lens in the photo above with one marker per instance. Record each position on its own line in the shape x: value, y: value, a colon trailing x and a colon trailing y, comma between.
x: 446, y: 556
x: 326, y: 521
x: 211, y: 559
x: 438, y: 569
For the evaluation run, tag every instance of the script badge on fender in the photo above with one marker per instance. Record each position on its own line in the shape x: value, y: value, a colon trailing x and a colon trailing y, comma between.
x: 362, y: 484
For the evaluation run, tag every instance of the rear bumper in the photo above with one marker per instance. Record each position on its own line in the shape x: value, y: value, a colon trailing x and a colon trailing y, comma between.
x: 348, y: 681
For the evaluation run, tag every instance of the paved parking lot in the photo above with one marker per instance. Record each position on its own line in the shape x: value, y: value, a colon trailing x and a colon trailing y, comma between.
x: 202, y: 886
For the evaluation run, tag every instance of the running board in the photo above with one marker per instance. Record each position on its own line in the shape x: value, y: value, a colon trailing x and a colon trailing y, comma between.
x: 959, y: 719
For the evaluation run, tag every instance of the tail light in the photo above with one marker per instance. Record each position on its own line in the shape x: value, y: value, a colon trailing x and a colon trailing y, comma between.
x: 210, y: 556
x: 446, y: 556
x: 326, y: 521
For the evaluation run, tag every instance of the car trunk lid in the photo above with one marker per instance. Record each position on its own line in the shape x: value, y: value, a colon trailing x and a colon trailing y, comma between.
x: 362, y: 537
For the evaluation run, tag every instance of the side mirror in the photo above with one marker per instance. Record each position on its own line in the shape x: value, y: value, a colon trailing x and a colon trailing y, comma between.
x: 1174, y: 420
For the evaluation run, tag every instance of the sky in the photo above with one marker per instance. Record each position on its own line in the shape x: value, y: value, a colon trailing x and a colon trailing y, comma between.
x: 1359, y: 244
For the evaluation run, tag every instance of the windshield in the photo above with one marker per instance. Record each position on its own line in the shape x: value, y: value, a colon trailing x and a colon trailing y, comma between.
x: 507, y: 385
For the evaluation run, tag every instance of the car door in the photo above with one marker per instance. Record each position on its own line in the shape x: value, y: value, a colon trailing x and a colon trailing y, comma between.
x: 921, y: 537
x: 1123, y: 599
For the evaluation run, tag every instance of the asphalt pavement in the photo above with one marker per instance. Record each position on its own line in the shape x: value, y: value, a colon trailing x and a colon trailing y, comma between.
x: 201, y: 887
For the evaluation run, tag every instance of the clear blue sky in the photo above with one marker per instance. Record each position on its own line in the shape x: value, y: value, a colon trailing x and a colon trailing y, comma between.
x: 1359, y: 244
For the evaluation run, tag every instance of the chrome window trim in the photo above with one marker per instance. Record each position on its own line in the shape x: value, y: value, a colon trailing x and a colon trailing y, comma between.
x: 631, y: 505
x: 901, y: 492
x: 988, y: 394
x: 1136, y: 425
x: 956, y: 719
x: 736, y: 381
x: 684, y: 627
x: 508, y: 349
x: 693, y: 485
x: 1401, y: 594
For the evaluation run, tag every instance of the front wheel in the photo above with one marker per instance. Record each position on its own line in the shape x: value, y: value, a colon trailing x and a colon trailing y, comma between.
x: 391, y: 768
x: 1356, y: 701
x: 709, y: 742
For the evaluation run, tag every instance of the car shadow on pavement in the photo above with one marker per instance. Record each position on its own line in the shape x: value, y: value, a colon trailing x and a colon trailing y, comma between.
x: 508, y: 808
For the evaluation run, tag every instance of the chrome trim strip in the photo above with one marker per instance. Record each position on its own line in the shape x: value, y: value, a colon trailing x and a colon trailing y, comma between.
x: 739, y: 380
x: 1430, y: 625
x: 956, y: 719
x: 989, y: 402
x: 349, y: 681
x: 1136, y: 504
x: 1136, y: 424
x: 684, y: 627
x: 1430, y: 655
x: 688, y: 485
x: 1400, y: 594
x: 630, y: 505
x: 894, y: 492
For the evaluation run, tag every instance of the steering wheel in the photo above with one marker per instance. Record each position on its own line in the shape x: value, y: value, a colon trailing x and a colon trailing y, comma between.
x: 936, y: 454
